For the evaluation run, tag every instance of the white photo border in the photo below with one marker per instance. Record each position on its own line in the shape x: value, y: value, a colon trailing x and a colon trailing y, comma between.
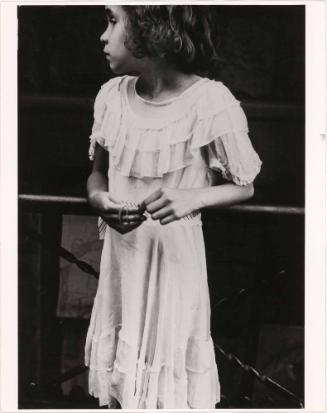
x: 315, y: 207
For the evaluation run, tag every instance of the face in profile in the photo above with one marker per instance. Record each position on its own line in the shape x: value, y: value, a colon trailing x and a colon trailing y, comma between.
x: 120, y: 59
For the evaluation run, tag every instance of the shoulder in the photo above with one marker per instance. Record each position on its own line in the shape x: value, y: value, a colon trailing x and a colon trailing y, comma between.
x: 111, y: 86
x: 218, y: 90
x: 214, y: 98
x: 109, y: 92
x: 116, y: 82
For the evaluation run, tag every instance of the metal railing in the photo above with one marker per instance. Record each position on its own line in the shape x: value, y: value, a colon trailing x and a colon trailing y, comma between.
x: 79, y: 205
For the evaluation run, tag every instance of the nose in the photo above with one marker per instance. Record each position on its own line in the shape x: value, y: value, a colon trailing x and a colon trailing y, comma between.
x: 105, y: 36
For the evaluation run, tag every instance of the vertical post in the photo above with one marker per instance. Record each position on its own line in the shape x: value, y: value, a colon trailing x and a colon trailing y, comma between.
x: 29, y: 254
x: 256, y: 306
x: 50, y: 328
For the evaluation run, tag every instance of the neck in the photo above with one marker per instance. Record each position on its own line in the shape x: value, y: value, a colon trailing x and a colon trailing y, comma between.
x: 162, y: 80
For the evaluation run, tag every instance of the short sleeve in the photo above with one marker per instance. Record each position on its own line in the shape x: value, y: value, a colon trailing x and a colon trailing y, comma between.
x: 231, y: 152
x: 102, y: 100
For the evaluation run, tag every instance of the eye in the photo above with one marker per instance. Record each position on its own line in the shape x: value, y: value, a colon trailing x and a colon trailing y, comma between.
x: 112, y: 20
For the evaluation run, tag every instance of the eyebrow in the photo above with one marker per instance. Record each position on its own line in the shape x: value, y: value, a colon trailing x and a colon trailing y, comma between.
x: 109, y: 12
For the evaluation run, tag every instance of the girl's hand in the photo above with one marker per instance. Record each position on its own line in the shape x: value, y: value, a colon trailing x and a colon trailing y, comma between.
x: 120, y: 216
x: 168, y: 205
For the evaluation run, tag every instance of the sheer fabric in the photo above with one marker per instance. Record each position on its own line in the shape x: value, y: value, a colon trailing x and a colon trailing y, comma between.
x: 149, y: 343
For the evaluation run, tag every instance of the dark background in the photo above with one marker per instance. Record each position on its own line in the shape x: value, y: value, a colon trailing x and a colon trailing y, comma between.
x: 60, y: 70
x: 61, y: 67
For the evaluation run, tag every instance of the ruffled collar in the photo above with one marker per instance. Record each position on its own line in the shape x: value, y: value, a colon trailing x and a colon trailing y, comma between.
x: 190, y: 89
x: 159, y: 115
x: 151, y: 147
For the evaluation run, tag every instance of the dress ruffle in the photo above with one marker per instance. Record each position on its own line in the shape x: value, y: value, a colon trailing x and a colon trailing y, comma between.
x: 212, y: 120
x: 118, y: 373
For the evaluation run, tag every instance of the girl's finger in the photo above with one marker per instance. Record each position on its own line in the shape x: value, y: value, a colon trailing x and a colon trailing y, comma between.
x: 110, y: 217
x: 116, y: 204
x: 111, y: 203
x: 161, y: 213
x: 123, y: 214
x: 153, y: 197
x: 125, y: 209
x: 125, y: 228
x: 131, y: 223
x: 133, y: 217
x: 125, y: 218
x: 113, y: 199
x: 167, y: 220
x: 156, y: 205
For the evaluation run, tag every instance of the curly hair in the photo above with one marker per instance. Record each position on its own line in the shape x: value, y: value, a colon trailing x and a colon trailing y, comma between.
x: 183, y: 35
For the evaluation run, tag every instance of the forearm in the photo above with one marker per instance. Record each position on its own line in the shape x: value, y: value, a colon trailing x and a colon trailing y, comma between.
x: 223, y: 195
x: 97, y: 182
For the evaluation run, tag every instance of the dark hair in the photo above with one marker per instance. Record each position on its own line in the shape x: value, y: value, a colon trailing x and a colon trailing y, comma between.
x: 182, y: 35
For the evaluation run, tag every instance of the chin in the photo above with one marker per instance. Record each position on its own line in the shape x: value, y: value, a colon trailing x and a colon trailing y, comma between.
x: 116, y: 69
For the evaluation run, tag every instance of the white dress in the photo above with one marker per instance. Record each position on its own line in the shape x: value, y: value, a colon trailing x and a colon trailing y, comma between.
x: 149, y: 343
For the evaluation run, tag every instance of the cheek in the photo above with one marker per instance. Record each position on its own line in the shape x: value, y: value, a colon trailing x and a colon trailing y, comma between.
x: 123, y: 51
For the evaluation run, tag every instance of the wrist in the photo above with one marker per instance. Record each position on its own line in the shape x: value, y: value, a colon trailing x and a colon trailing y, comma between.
x: 92, y: 195
x: 200, y: 198
x: 96, y: 184
x: 96, y: 198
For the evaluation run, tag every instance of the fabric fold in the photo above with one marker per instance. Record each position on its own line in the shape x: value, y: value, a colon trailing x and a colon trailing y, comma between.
x: 149, y: 343
x: 213, y: 120
x: 116, y: 373
x: 158, y: 359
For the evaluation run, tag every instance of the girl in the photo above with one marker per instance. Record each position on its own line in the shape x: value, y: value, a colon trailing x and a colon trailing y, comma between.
x: 161, y: 133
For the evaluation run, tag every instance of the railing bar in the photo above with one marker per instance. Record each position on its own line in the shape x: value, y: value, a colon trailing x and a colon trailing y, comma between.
x: 52, y: 199
x: 63, y: 252
x: 254, y: 110
x: 246, y: 290
x: 62, y: 200
x: 69, y: 374
x: 266, y: 380
x: 278, y: 209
